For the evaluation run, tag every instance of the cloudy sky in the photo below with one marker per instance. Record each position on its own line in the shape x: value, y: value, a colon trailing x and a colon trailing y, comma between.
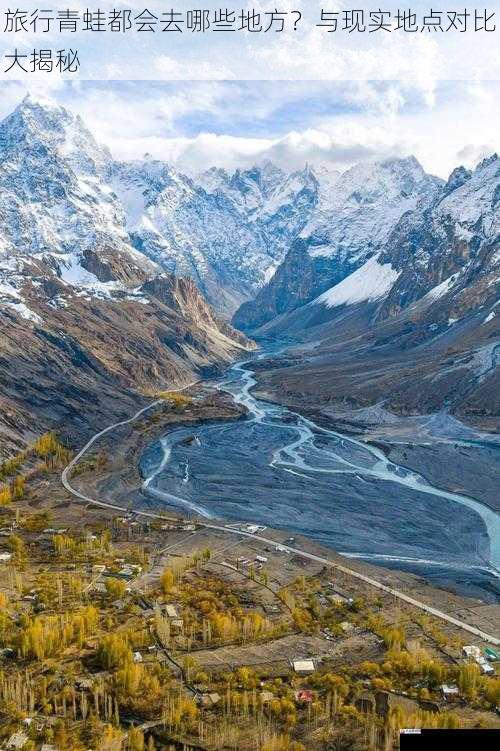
x: 237, y: 123
x: 301, y: 95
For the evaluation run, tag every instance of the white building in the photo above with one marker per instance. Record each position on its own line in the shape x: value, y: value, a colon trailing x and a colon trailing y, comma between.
x: 303, y: 666
x: 449, y: 690
x: 485, y: 666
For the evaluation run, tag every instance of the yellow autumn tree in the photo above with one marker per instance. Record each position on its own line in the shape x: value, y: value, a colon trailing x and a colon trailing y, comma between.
x: 5, y: 496
x: 167, y: 580
x: 135, y: 739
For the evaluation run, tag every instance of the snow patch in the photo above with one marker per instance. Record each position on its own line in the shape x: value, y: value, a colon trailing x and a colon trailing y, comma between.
x: 440, y: 289
x: 370, y: 282
x: 317, y: 251
x: 89, y: 285
x: 11, y: 298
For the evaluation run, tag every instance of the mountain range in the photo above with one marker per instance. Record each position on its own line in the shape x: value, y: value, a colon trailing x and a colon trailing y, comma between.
x: 88, y: 323
x: 395, y: 295
x: 118, y: 277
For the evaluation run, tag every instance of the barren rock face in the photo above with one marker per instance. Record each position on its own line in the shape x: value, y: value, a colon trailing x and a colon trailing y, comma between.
x: 87, y: 323
x: 413, y: 323
x: 80, y: 359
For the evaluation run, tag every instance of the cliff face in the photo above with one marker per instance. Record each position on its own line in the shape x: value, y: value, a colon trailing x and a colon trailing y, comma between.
x: 349, y: 224
x: 74, y: 361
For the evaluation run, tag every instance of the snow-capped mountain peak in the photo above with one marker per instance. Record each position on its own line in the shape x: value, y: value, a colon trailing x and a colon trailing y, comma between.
x: 39, y: 126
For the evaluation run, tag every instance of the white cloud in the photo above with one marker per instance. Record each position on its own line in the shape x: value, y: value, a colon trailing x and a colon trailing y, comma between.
x: 458, y: 127
x: 230, y: 124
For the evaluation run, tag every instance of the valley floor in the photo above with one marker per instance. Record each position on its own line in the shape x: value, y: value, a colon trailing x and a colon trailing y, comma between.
x: 119, y: 481
x: 451, y: 455
x: 213, y: 628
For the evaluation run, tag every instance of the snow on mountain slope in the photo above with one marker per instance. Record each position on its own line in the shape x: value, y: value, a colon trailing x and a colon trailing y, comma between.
x: 228, y: 232
x: 365, y: 205
x: 65, y: 199
x: 87, y: 321
x: 185, y: 230
x: 55, y: 203
x: 249, y: 190
x: 352, y: 219
x: 368, y: 283
x: 416, y: 325
x: 473, y: 206
x: 456, y: 240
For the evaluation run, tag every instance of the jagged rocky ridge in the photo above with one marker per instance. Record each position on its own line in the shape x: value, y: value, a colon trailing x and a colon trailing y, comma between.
x: 64, y: 194
x: 413, y: 324
x: 88, y: 323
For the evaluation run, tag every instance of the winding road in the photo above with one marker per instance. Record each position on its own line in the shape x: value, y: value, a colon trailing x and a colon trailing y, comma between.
x: 266, y: 540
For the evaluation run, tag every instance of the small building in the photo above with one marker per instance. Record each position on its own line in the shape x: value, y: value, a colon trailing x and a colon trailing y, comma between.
x: 261, y: 558
x: 304, y: 695
x: 471, y: 651
x: 485, y: 666
x: 346, y: 626
x: 251, y: 528
x: 171, y: 611
x: 5, y: 557
x: 98, y: 568
x: 303, y: 667
x: 491, y: 654
x: 48, y: 747
x: 137, y: 657
x: 449, y: 691
x: 209, y: 700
